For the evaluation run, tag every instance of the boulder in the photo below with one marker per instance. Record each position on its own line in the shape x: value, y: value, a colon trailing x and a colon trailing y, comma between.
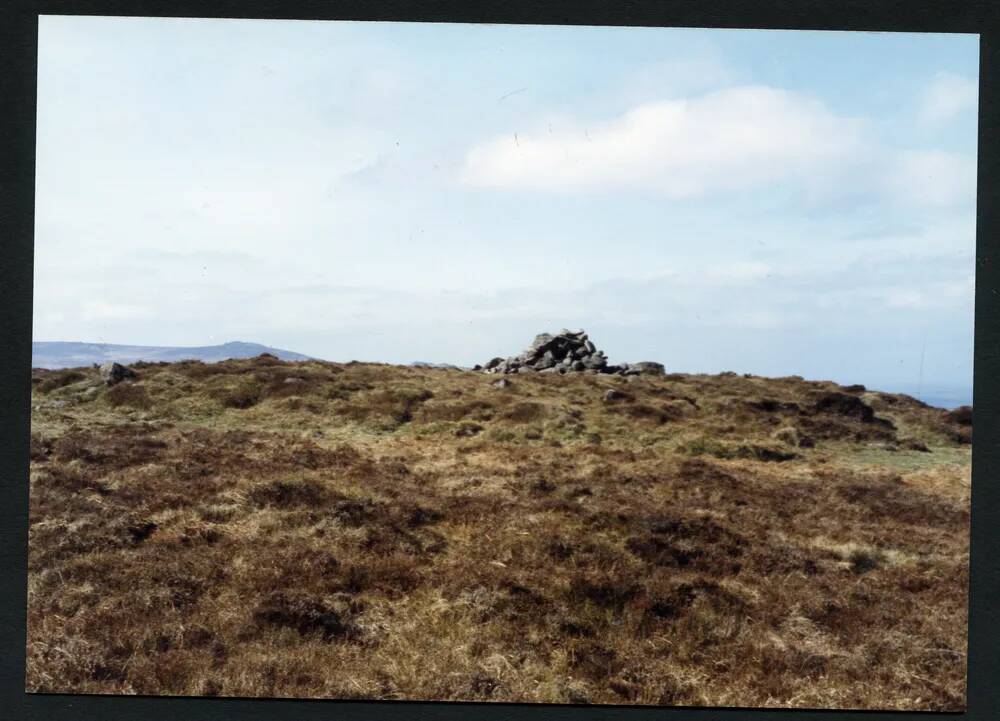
x: 113, y: 373
x: 542, y: 340
x: 548, y: 360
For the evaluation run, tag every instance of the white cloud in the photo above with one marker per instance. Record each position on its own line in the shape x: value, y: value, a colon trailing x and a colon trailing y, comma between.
x: 747, y: 271
x: 905, y: 298
x: 99, y: 310
x: 731, y: 139
x: 680, y: 75
x: 956, y: 293
x: 738, y: 139
x: 945, y: 98
x: 932, y: 178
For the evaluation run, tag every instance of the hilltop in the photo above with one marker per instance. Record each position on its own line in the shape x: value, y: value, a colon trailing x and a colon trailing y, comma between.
x: 243, y: 527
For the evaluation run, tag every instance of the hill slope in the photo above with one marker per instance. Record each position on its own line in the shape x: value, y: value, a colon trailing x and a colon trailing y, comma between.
x: 242, y: 528
x: 66, y: 354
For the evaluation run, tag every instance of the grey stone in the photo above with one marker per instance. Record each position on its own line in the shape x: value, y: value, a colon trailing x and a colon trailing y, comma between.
x: 112, y: 373
x: 548, y: 360
x: 648, y: 368
x: 541, y: 340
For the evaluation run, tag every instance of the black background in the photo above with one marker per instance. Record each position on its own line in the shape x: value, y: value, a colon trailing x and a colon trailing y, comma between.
x: 18, y: 52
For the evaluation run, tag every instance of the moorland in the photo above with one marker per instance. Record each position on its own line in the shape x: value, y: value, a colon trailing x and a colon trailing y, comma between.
x: 311, y: 529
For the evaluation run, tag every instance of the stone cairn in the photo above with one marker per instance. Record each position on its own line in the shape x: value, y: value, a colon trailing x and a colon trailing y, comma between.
x: 566, y: 352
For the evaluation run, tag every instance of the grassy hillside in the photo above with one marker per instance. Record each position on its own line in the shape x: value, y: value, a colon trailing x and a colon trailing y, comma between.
x: 262, y: 528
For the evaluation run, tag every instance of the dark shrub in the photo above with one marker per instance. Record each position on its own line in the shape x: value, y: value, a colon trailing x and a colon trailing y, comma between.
x: 41, y: 447
x: 289, y: 494
x: 848, y: 406
x: 305, y: 615
x: 60, y: 379
x: 864, y: 561
x: 525, y: 412
x: 244, y: 394
x: 961, y: 415
x: 128, y: 394
x: 661, y: 413
x: 397, y: 406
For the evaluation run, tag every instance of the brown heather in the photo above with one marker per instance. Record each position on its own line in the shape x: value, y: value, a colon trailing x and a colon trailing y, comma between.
x: 258, y: 528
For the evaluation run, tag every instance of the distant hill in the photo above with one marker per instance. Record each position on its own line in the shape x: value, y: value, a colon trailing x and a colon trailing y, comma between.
x: 60, y: 354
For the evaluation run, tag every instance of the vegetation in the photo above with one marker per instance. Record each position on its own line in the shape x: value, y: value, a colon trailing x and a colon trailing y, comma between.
x: 309, y: 529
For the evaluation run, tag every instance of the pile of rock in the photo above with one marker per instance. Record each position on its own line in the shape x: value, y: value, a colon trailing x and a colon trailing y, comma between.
x: 566, y: 352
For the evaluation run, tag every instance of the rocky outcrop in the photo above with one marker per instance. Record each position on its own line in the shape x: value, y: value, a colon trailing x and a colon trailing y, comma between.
x: 113, y: 373
x: 566, y: 352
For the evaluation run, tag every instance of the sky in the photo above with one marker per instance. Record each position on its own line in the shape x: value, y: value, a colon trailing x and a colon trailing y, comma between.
x: 768, y: 202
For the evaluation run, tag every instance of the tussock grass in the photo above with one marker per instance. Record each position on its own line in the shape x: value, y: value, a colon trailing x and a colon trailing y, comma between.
x: 260, y: 528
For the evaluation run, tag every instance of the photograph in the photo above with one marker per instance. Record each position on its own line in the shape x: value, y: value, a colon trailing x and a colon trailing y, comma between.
x: 533, y: 364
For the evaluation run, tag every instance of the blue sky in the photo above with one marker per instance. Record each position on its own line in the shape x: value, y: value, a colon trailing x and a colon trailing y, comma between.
x: 772, y: 202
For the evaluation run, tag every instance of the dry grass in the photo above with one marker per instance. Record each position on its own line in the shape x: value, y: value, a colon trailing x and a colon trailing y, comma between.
x: 258, y: 528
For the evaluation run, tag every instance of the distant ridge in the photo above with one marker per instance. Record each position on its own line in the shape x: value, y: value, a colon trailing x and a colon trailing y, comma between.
x: 69, y: 354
